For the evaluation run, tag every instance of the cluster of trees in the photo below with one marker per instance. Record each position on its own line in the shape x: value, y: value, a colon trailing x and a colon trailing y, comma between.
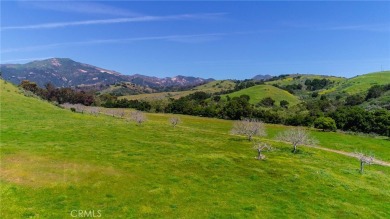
x: 59, y: 95
x: 357, y: 119
x: 311, y: 85
x: 246, y: 84
x: 125, y: 103
x: 291, y: 87
x: 377, y: 91
x: 374, y: 92
x: 317, y: 84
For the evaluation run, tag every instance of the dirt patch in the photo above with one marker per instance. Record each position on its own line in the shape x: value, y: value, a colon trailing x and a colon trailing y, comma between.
x: 40, y: 171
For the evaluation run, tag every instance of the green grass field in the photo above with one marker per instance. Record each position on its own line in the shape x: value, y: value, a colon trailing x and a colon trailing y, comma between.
x: 211, y: 87
x: 258, y: 92
x: 54, y: 161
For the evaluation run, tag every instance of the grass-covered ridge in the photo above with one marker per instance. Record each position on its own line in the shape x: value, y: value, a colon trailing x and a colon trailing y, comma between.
x: 258, y: 92
x: 54, y: 161
x: 301, y: 78
x: 362, y: 83
x: 211, y: 87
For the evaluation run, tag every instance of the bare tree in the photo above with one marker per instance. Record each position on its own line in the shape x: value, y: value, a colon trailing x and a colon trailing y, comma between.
x: 260, y: 147
x: 249, y: 127
x: 297, y: 137
x: 138, y: 117
x: 174, y: 121
x: 364, y: 159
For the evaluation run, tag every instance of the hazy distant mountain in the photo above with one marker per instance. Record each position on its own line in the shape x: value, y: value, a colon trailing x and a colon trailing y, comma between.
x: 168, y: 81
x: 262, y: 77
x: 64, y: 72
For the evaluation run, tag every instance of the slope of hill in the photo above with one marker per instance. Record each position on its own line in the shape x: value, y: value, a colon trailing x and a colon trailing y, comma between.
x: 126, y: 88
x: 301, y: 78
x: 64, y: 72
x: 216, y: 86
x: 211, y: 87
x: 362, y: 83
x: 380, y: 102
x: 54, y: 161
x: 258, y: 92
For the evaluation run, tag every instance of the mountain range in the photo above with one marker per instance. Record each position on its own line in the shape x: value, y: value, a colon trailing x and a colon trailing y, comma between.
x: 65, y: 72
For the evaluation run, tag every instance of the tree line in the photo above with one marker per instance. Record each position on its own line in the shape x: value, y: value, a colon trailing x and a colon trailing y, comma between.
x: 323, y: 113
x: 59, y: 95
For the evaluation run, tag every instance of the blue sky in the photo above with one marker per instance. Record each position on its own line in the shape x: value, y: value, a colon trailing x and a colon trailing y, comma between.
x: 217, y: 39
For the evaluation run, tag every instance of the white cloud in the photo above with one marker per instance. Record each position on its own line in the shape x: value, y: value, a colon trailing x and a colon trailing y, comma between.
x: 194, y: 38
x: 77, y: 7
x: 113, y: 21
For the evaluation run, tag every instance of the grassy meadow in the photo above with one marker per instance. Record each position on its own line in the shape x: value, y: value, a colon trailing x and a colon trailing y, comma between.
x: 54, y: 161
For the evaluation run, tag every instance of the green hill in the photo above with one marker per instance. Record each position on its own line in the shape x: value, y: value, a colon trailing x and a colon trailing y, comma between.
x: 216, y: 86
x: 258, y: 92
x: 126, y: 88
x: 363, y: 82
x: 54, y: 161
x: 211, y: 87
x: 301, y: 78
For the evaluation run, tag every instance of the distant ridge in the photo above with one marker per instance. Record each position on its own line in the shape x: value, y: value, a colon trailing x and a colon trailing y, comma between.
x: 262, y: 77
x: 65, y: 72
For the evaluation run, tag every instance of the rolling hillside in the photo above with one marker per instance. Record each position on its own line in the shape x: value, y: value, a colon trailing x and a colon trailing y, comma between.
x: 301, y: 78
x: 258, y: 92
x: 54, y: 161
x: 211, y: 87
x: 362, y: 83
